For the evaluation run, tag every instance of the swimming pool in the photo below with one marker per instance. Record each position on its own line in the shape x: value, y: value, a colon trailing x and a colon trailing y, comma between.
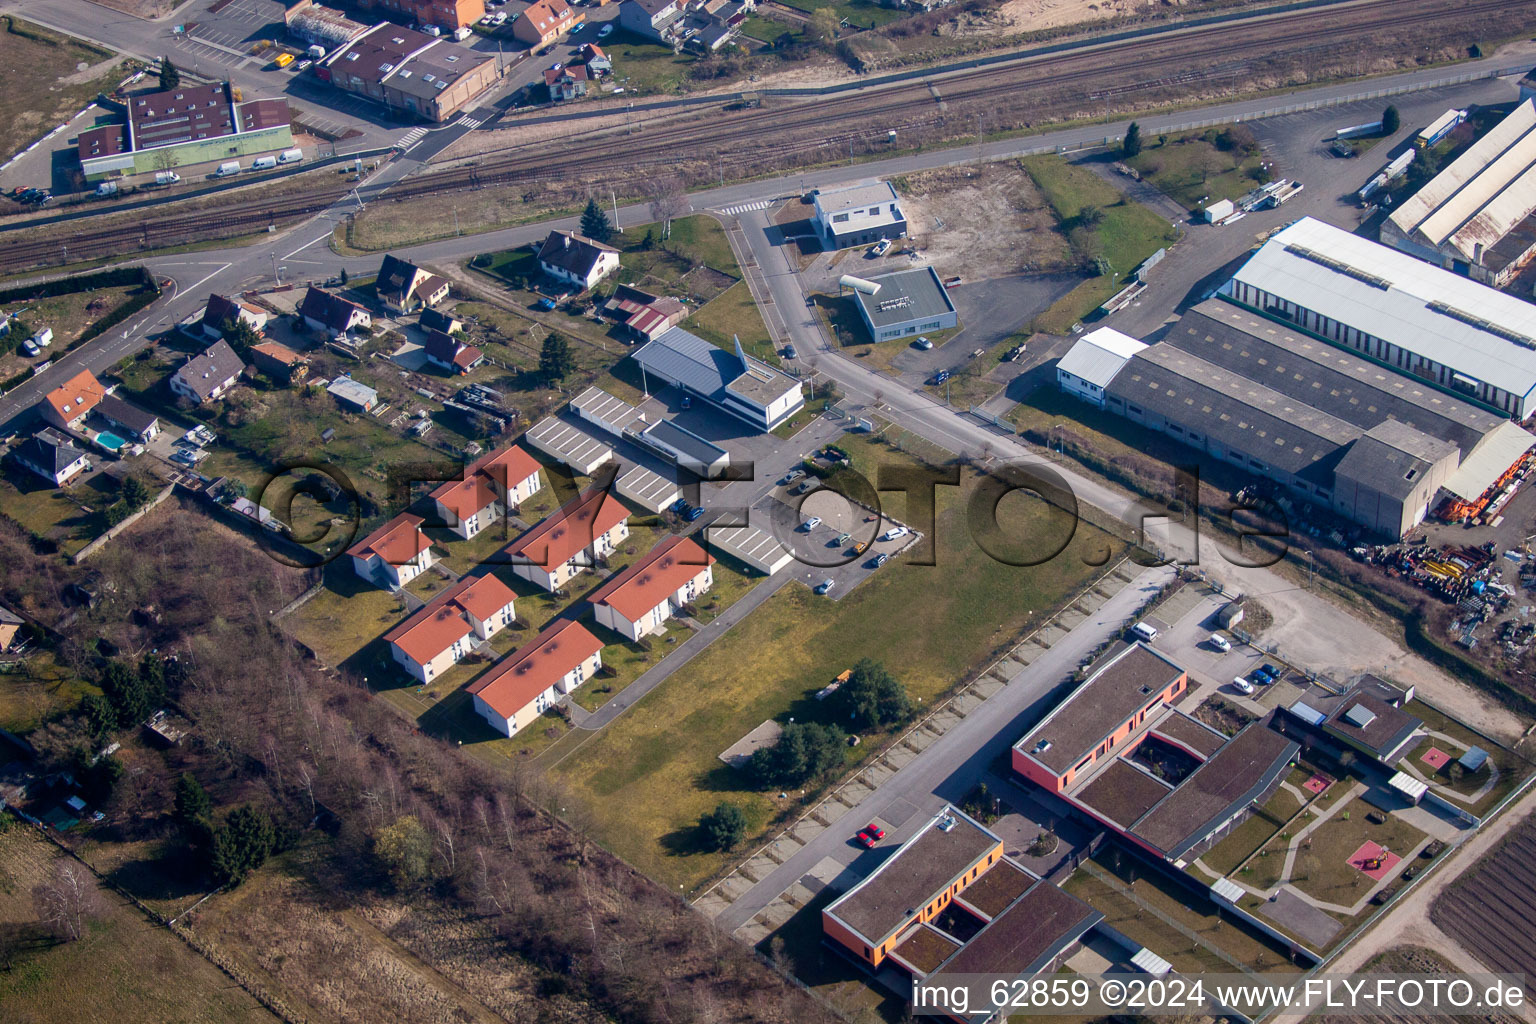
x: 111, y: 442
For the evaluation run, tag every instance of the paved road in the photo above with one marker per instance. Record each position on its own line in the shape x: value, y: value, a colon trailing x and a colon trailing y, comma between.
x: 952, y: 764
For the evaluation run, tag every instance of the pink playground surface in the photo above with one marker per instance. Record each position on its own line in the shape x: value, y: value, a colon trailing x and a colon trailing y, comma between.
x: 1370, y: 851
x: 1317, y: 783
x: 1435, y: 758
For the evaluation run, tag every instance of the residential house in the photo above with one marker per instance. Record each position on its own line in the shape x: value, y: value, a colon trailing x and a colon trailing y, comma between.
x: 404, y: 287
x: 449, y: 353
x: 643, y: 597
x: 598, y: 63
x: 51, y: 456
x: 436, y: 320
x: 716, y: 22
x: 652, y: 19
x: 10, y: 624
x: 566, y: 83
x: 545, y: 21
x: 333, y: 314
x: 531, y: 680
x: 394, y: 554
x: 491, y: 484
x: 570, y: 539
x: 66, y: 406
x: 450, y: 625
x: 280, y: 362
x: 204, y: 378
x: 222, y: 310
x: 645, y: 316
x: 576, y: 259
x: 127, y: 420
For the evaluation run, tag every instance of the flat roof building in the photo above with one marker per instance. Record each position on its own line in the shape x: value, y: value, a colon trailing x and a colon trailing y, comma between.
x: 570, y: 445
x: 733, y: 381
x: 750, y: 545
x: 905, y: 303
x: 685, y: 449
x: 1452, y: 332
x: 651, y: 491
x: 1477, y: 216
x: 193, y: 123
x: 411, y: 71
x: 606, y: 411
x: 858, y: 215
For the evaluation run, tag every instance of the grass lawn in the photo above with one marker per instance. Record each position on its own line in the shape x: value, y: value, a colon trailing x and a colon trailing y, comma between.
x: 649, y: 775
x: 345, y: 617
x: 70, y: 517
x: 763, y: 30
x: 1513, y: 769
x: 734, y: 313
x: 628, y: 660
x: 643, y: 67
x: 813, y: 407
x: 1194, y: 166
x: 1323, y: 870
x: 1125, y: 233
x: 34, y: 690
x: 124, y: 969
x: 1226, y: 855
x: 35, y: 101
x: 860, y: 14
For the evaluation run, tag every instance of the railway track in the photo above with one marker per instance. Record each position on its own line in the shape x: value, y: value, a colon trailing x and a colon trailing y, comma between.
x: 739, y: 137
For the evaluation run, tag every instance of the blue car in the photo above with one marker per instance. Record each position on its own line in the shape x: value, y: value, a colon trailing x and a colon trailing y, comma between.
x: 546, y: 304
x: 680, y: 506
x: 693, y: 513
x: 1262, y: 676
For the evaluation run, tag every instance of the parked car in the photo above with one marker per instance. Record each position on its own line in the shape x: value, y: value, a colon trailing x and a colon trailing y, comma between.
x: 603, y: 32
x: 1242, y: 686
x: 694, y: 511
x: 811, y: 524
x: 880, y: 248
x: 804, y: 486
x: 1262, y: 677
x: 923, y: 343
x: 881, y: 559
x: 680, y: 506
x: 940, y: 377
x: 30, y: 347
x: 874, y: 831
x: 1142, y: 631
x: 546, y: 304
x: 895, y: 533
x: 841, y: 539
x: 1220, y: 642
x: 790, y: 353
x: 1270, y: 670
x: 824, y: 586
x: 792, y: 476
x: 686, y: 402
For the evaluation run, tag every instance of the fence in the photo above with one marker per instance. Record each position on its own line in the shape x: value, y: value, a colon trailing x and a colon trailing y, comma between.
x: 106, y: 538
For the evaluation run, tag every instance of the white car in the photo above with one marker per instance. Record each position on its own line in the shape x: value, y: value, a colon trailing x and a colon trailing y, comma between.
x: 1221, y: 643
x: 604, y: 31
x: 923, y: 343
x: 895, y: 533
x: 501, y: 18
x: 811, y: 524
x: 880, y: 248
x: 1242, y: 686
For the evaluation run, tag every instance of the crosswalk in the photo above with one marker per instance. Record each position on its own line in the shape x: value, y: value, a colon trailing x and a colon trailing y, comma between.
x: 761, y: 204
x: 410, y: 139
x: 470, y: 122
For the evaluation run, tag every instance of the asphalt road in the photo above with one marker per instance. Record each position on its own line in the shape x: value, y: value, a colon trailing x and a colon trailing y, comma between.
x: 950, y: 766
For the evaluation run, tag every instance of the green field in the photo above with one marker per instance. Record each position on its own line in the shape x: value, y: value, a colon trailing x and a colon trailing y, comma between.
x: 650, y: 774
x: 70, y: 517
x: 36, y: 97
x: 36, y: 689
x: 733, y: 313
x: 1195, y: 169
x: 643, y: 67
x: 1124, y: 234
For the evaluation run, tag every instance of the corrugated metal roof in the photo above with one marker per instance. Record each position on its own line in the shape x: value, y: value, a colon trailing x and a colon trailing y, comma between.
x: 1488, y: 461
x: 576, y: 449
x: 651, y: 491
x: 1400, y: 311
x: 758, y: 549
x: 1409, y: 786
x: 1099, y: 355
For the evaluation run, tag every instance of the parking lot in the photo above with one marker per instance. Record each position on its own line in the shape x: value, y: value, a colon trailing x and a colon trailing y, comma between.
x: 830, y: 550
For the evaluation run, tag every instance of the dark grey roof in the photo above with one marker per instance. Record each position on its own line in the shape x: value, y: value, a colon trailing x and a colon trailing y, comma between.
x: 48, y: 452
x: 122, y: 413
x: 437, y: 320
x: 332, y: 311
x: 220, y: 310
x: 1024, y: 939
x: 1239, y: 413
x: 710, y: 370
x: 573, y: 253
x: 1392, y: 458
x: 202, y: 374
x: 8, y: 617
x: 652, y: 7
x: 1381, y: 731
x: 905, y: 295
x: 704, y: 452
x: 395, y: 278
x: 1326, y: 377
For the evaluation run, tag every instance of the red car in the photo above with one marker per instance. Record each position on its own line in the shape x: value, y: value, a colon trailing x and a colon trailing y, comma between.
x: 870, y: 835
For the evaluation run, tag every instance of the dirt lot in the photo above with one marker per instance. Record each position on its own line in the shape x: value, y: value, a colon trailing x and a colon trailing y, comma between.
x: 45, y: 80
x: 146, y: 9
x: 995, y: 221
x: 1033, y: 15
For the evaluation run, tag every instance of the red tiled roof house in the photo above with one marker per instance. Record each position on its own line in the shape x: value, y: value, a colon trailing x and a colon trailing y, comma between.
x: 640, y: 599
x: 67, y: 405
x: 492, y: 484
x: 447, y: 628
x: 531, y: 680
x: 570, y: 539
x: 394, y: 554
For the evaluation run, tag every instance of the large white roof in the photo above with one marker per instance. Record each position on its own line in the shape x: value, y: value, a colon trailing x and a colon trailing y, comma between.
x: 1491, y: 459
x: 1483, y: 194
x: 1099, y: 355
x: 1430, y: 312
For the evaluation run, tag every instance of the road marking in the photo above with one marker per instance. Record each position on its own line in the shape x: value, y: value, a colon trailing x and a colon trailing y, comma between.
x: 306, y: 245
x: 470, y: 122
x: 761, y: 204
x: 410, y: 138
x: 216, y: 273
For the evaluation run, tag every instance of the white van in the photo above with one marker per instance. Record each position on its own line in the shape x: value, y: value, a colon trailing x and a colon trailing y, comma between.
x: 43, y: 338
x: 166, y: 177
x: 225, y: 170
x: 264, y: 163
x: 463, y: 33
x: 107, y: 188
x: 1142, y: 631
x: 290, y: 156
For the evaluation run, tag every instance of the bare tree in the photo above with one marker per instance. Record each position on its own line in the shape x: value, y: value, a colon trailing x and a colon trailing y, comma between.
x: 668, y: 200
x: 68, y: 900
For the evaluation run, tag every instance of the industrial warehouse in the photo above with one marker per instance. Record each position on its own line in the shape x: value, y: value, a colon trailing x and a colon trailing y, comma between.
x: 1478, y: 216
x: 1377, y: 447
x: 733, y: 381
x: 901, y: 304
x: 190, y: 124
x: 1398, y: 311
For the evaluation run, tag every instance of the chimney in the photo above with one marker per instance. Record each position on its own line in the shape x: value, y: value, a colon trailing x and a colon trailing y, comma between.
x: 567, y: 240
